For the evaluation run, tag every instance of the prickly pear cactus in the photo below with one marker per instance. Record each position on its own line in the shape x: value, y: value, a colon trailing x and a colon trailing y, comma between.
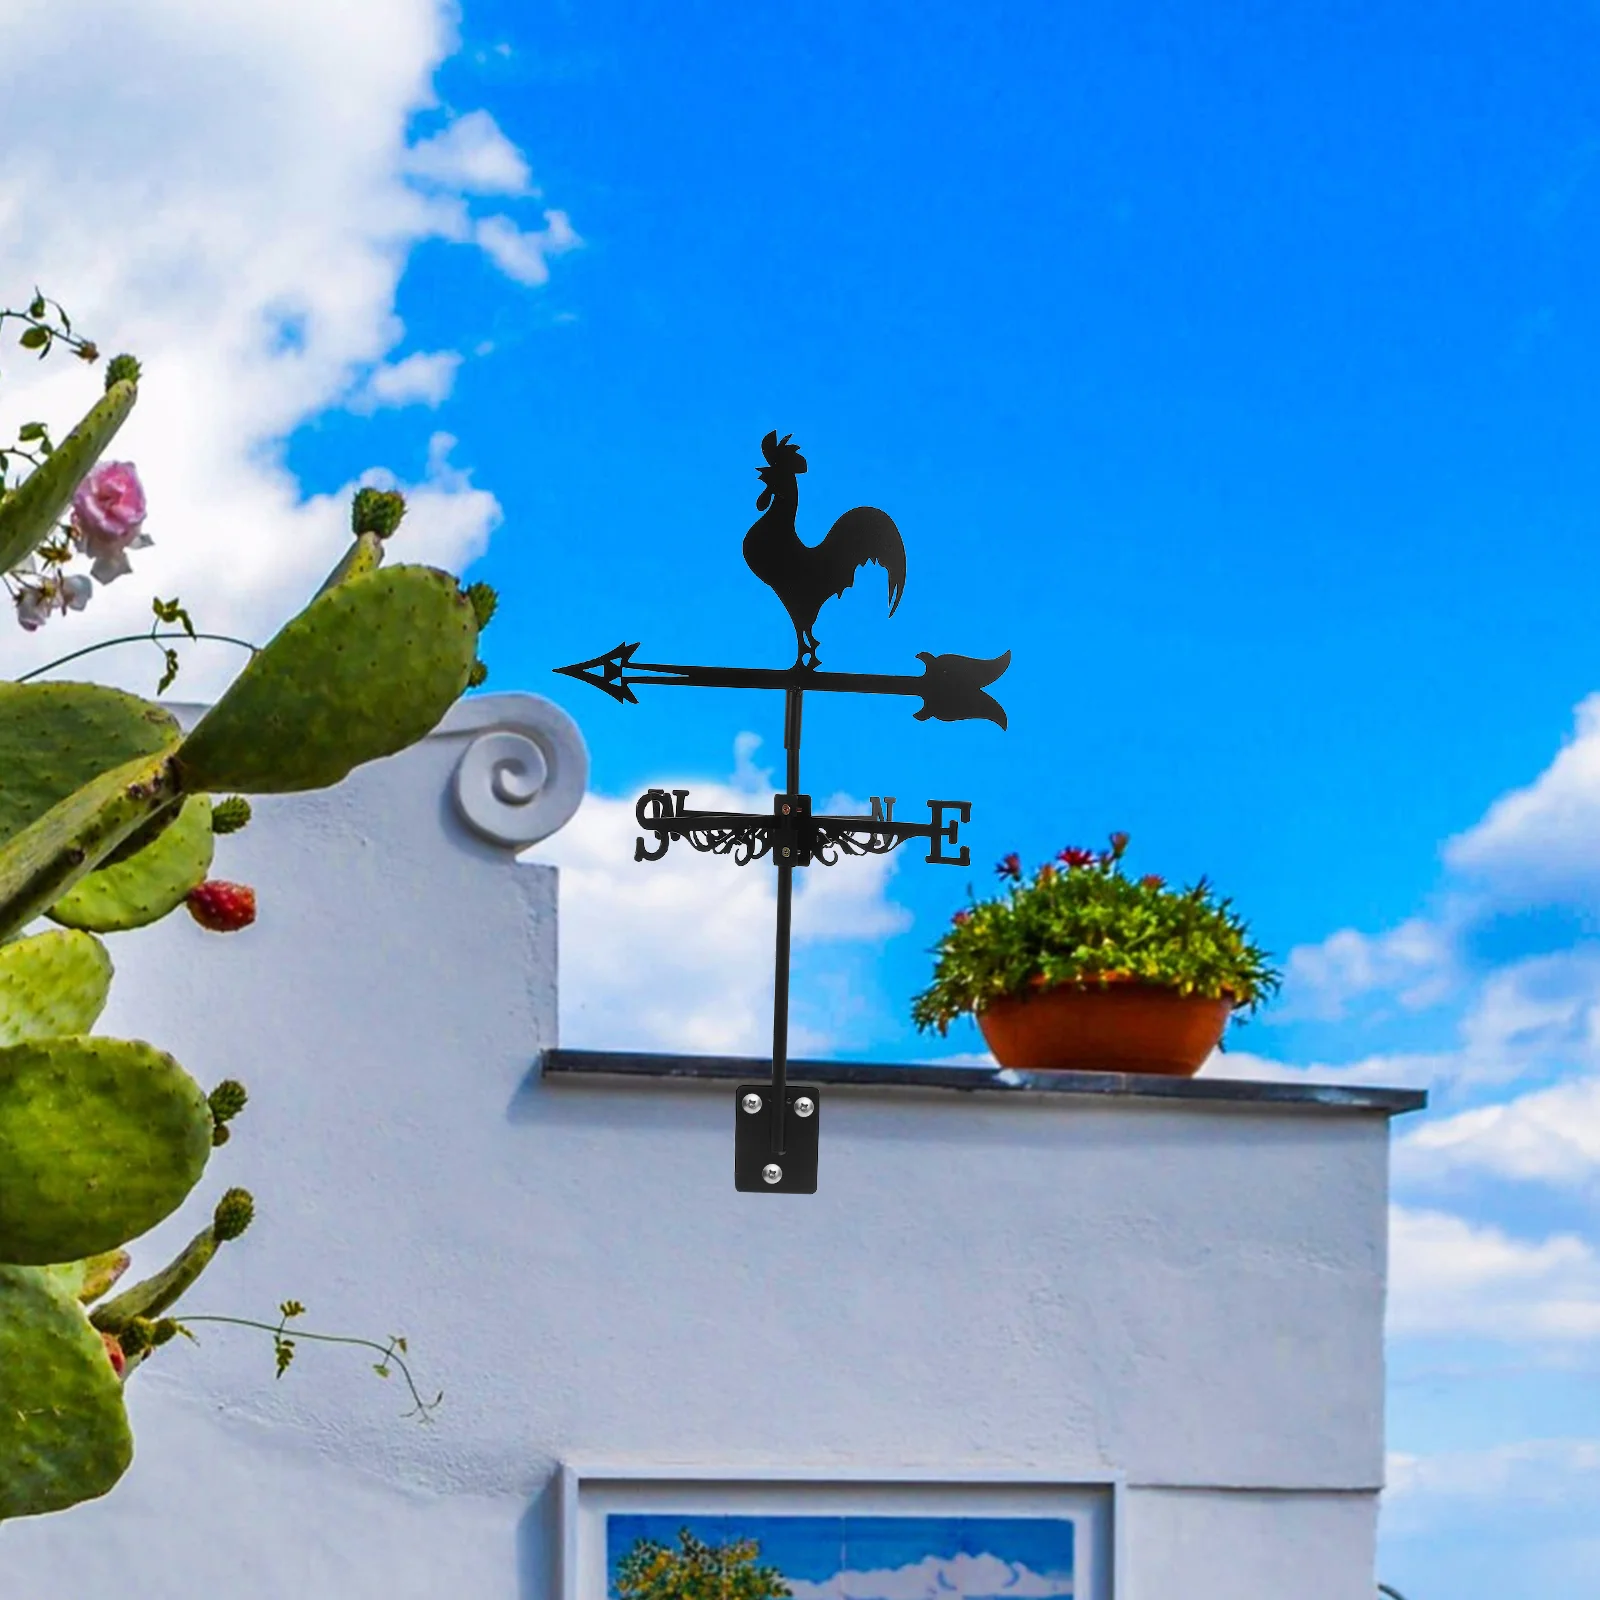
x: 64, y: 1434
x: 55, y: 737
x: 148, y: 884
x: 106, y: 825
x: 30, y: 512
x: 369, y: 667
x: 99, y: 1140
x: 51, y: 984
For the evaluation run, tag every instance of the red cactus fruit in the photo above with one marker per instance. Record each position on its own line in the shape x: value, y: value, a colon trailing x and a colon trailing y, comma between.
x: 119, y: 1362
x: 222, y: 907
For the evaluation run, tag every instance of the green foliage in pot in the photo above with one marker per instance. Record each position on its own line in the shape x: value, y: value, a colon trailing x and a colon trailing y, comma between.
x: 1081, y: 920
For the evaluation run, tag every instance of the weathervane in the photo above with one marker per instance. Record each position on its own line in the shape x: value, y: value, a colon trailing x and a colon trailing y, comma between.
x: 776, y: 1124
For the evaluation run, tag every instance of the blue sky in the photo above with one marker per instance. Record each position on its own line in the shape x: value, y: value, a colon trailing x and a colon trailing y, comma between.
x: 1233, y: 368
x: 880, y: 1558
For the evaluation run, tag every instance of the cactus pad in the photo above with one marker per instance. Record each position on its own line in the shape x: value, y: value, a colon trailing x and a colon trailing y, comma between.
x: 55, y: 737
x: 369, y: 667
x: 147, y: 885
x: 64, y: 1434
x: 99, y: 1140
x: 40, y: 864
x: 51, y: 984
x: 87, y: 1280
x: 364, y: 556
x: 29, y: 514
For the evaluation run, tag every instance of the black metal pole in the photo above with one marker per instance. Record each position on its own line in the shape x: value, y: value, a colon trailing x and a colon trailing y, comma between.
x: 780, y: 1008
x: 792, y: 705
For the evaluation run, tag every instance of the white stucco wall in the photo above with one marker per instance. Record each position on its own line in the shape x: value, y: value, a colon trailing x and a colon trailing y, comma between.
x: 1186, y: 1298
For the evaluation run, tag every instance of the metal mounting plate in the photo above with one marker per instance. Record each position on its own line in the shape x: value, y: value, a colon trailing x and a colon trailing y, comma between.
x: 752, y: 1141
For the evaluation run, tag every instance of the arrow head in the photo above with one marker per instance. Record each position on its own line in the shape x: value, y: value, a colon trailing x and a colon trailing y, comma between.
x: 611, y: 675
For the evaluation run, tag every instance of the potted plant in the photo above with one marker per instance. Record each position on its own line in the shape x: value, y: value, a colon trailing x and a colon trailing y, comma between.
x: 1082, y: 967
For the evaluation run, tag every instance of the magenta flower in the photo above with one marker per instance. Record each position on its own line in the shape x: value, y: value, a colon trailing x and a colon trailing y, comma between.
x: 108, y: 518
x: 1152, y: 880
x: 1009, y: 866
x: 1073, y: 856
x: 961, y: 917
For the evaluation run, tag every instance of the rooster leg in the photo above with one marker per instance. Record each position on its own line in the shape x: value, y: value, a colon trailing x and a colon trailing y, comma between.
x: 805, y: 641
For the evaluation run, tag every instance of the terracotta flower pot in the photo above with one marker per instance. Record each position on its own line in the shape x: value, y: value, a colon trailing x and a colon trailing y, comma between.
x: 1124, y: 1027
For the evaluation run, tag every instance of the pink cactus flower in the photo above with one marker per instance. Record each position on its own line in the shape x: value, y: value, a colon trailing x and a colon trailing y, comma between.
x: 108, y: 518
x: 38, y: 595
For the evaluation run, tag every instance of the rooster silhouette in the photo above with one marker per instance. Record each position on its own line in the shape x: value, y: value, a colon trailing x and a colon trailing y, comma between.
x: 805, y: 576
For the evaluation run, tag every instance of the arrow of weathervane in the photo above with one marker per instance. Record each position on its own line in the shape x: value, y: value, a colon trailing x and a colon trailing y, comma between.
x: 950, y: 687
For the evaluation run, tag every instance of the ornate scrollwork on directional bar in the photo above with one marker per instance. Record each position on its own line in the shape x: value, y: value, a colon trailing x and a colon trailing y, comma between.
x: 792, y: 833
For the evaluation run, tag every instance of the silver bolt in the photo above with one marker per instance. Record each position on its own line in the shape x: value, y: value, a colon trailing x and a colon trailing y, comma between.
x: 772, y: 1172
x: 804, y: 1106
x: 751, y: 1103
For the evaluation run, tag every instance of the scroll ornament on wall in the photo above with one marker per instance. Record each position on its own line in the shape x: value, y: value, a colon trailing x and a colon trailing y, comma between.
x: 524, y: 773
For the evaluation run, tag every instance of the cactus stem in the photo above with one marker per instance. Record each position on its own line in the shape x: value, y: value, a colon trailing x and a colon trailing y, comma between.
x: 389, y: 1354
x: 133, y: 638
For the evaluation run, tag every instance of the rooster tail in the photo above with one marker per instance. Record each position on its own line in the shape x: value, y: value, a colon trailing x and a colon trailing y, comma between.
x: 861, y: 535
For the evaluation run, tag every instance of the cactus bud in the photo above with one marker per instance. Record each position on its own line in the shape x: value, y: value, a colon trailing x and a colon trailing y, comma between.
x: 135, y: 1337
x: 228, y: 1099
x: 479, y: 674
x: 234, y: 1213
x: 163, y: 1331
x: 230, y: 815
x: 483, y: 600
x: 377, y: 511
x: 121, y: 369
x: 219, y: 1134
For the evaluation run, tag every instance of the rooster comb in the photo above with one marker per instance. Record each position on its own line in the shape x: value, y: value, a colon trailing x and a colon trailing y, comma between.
x: 779, y: 452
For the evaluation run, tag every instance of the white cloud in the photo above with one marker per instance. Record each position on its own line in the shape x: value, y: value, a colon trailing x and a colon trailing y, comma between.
x: 471, y: 156
x: 423, y: 378
x: 1539, y: 1493
x: 1551, y: 1136
x: 233, y: 202
x: 676, y: 954
x: 1526, y: 1469
x: 523, y: 254
x: 1542, y: 843
x: 986, y: 1577
x: 1394, y: 1071
x: 1416, y: 958
x: 1532, y: 1017
x: 1537, y: 846
x: 1448, y: 1277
